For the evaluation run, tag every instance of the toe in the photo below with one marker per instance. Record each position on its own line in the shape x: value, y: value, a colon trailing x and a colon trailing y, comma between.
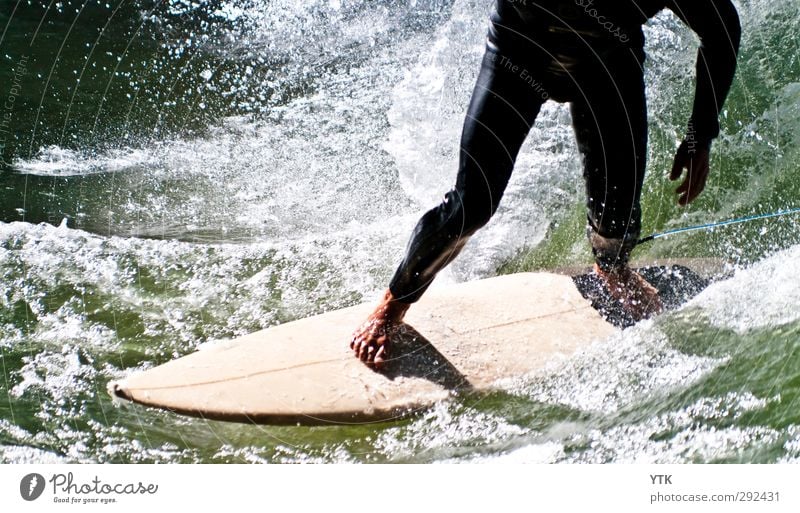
x: 381, y: 355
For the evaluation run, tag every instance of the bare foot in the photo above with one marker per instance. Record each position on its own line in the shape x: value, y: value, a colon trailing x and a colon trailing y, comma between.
x: 638, y: 298
x: 371, y: 342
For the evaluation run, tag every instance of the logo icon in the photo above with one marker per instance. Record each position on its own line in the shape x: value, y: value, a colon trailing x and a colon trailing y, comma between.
x: 31, y: 487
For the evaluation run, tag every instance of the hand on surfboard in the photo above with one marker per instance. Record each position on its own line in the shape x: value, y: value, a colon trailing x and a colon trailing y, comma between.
x: 371, y: 342
x: 695, y: 162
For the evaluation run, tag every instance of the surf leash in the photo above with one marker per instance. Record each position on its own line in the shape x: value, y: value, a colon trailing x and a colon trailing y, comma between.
x: 717, y: 224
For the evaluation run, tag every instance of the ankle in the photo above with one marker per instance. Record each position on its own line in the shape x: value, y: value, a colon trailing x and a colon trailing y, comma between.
x: 615, y: 271
x: 392, y: 309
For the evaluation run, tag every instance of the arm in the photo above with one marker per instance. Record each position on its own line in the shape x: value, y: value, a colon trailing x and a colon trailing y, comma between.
x: 717, y: 24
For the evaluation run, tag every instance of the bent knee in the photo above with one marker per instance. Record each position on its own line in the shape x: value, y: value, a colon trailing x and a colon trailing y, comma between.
x: 469, y: 213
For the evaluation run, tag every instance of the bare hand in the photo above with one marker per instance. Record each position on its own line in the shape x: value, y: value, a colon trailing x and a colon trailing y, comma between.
x: 695, y: 162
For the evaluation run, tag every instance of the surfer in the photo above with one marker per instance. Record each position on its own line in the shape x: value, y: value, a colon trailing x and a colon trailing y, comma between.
x: 589, y: 53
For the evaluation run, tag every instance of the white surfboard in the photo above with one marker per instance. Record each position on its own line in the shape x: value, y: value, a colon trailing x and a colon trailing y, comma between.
x: 460, y: 338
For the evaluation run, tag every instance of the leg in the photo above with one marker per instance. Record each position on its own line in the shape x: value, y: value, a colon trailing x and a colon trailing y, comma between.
x: 502, y: 110
x: 610, y: 122
x: 503, y: 107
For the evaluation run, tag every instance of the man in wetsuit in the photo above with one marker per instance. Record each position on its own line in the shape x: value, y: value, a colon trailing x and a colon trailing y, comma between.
x: 589, y: 53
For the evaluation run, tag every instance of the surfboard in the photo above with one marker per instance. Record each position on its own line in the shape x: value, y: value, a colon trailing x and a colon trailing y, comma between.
x: 456, y: 339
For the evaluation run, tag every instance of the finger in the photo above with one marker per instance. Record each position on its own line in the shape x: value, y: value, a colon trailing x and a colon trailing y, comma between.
x: 680, y: 163
x: 691, y: 176
x: 677, y: 168
x: 697, y: 187
x: 684, y: 186
x: 699, y: 178
x: 687, y: 185
x: 685, y: 190
x: 690, y: 192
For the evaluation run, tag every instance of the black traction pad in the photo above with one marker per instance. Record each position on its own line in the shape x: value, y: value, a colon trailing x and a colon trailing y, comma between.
x: 676, y: 285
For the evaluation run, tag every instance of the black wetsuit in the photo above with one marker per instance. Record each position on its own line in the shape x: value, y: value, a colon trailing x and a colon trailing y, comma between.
x: 588, y: 53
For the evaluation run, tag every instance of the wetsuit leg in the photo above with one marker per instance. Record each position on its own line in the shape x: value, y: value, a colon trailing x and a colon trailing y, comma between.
x: 610, y: 121
x: 503, y: 107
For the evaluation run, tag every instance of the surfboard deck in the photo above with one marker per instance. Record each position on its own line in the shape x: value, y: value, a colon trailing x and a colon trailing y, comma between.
x: 456, y: 339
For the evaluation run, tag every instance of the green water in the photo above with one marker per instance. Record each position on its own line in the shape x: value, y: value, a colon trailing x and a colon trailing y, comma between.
x: 180, y: 173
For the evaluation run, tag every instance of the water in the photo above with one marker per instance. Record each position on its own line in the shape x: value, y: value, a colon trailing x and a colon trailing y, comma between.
x: 176, y: 173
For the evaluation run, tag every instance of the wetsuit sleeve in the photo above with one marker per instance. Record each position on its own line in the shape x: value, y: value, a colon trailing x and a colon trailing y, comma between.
x: 716, y: 22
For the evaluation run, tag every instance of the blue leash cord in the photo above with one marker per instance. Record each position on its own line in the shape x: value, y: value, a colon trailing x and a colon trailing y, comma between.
x: 714, y: 225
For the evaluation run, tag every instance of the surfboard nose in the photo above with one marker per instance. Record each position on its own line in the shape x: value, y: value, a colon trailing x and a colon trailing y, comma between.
x: 117, y: 389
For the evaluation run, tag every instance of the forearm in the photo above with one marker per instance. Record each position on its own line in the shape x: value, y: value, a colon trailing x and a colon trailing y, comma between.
x: 717, y: 24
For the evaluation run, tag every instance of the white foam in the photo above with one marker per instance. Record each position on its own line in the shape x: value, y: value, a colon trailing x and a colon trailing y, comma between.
x: 765, y: 294
x: 615, y: 373
x: 58, y: 161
